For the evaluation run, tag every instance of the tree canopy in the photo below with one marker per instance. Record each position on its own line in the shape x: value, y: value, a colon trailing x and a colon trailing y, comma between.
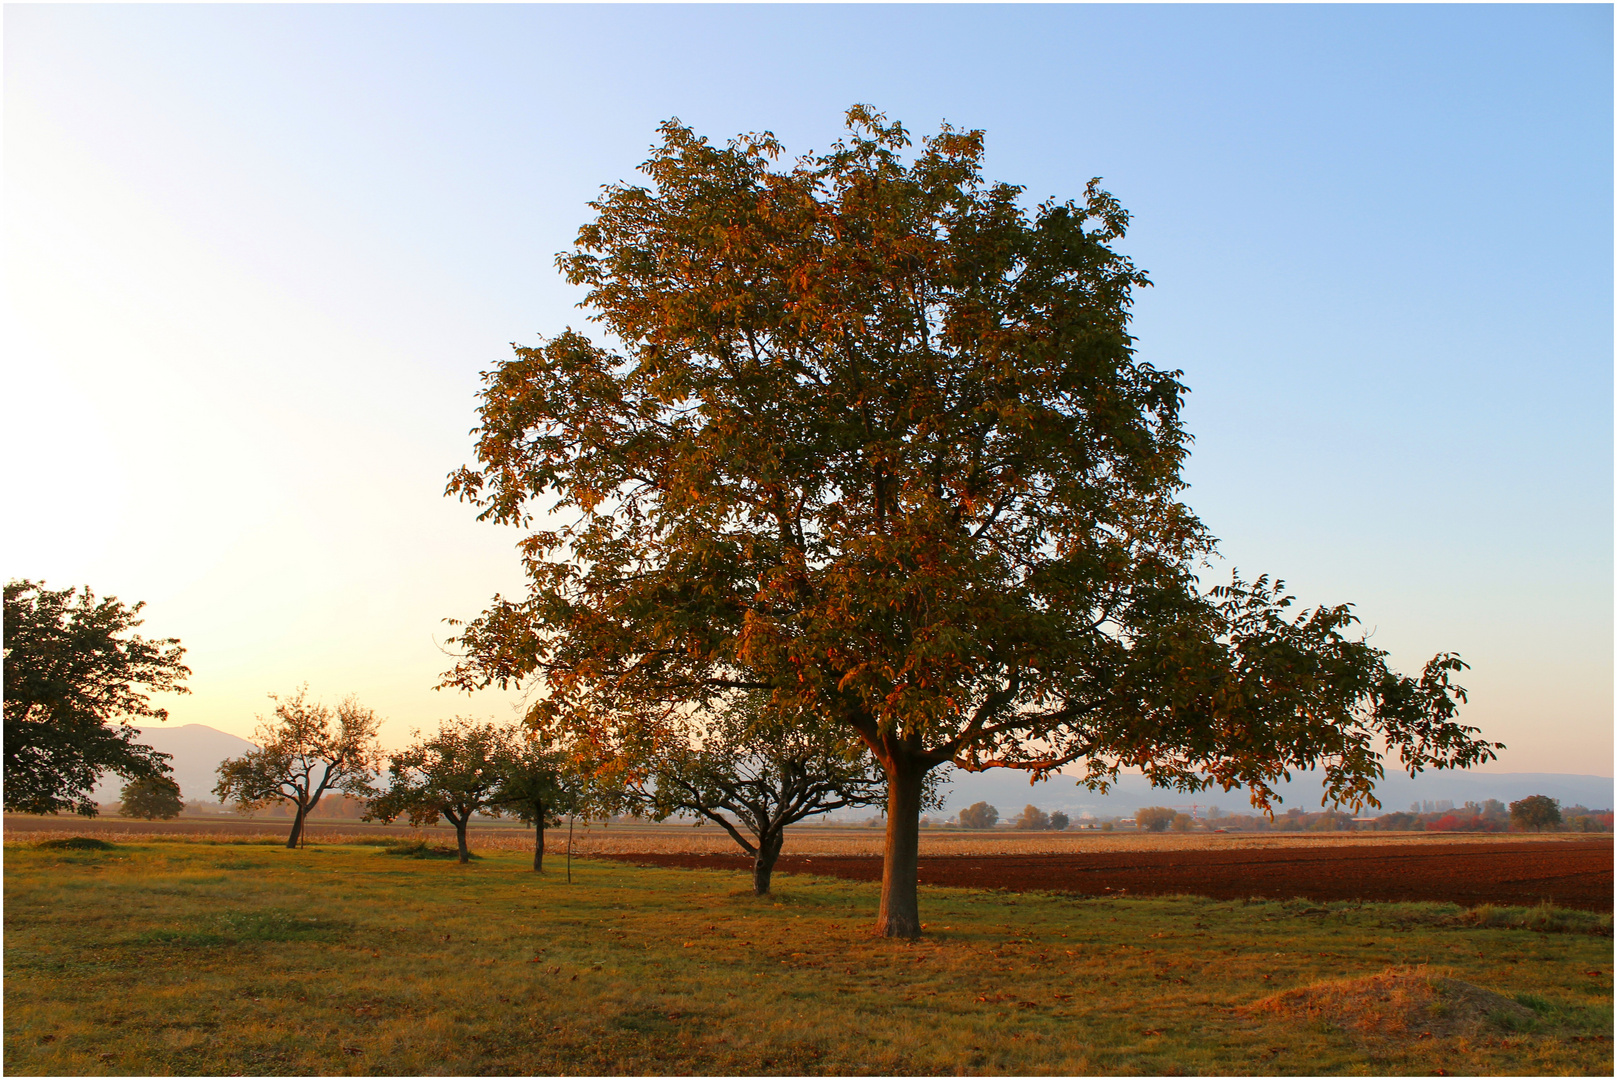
x: 1154, y: 818
x: 301, y: 756
x: 151, y: 798
x: 1536, y: 812
x: 979, y: 815
x: 868, y: 434
x: 75, y: 675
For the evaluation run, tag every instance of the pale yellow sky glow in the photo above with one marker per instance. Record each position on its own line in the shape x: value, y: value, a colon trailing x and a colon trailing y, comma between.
x: 259, y: 470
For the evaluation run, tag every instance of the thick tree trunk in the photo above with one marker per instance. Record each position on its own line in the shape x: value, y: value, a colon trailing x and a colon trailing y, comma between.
x: 539, y: 842
x: 297, y: 829
x: 460, y: 838
x: 900, y: 914
x: 763, y: 862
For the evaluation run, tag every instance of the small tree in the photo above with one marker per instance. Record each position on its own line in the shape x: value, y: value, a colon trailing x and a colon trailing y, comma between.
x: 1536, y: 812
x: 151, y: 798
x: 753, y: 775
x: 300, y: 757
x: 1155, y: 818
x: 454, y: 774
x: 73, y: 673
x: 979, y: 815
x: 533, y: 788
x: 1182, y: 822
x: 1032, y: 818
x: 1059, y: 821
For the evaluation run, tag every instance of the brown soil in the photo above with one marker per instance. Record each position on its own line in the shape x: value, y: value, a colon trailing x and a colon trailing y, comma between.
x: 1575, y: 874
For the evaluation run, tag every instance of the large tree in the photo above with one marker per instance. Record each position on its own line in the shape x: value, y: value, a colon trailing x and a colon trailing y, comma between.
x: 754, y: 772
x: 75, y: 675
x: 301, y: 756
x: 454, y: 773
x: 868, y: 434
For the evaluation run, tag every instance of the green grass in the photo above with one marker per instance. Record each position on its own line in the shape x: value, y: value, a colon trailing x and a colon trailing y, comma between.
x: 181, y: 958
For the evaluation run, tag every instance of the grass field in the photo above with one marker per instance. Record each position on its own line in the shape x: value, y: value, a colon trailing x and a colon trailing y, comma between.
x: 185, y: 957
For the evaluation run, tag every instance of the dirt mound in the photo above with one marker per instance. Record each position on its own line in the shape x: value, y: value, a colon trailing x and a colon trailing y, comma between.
x: 75, y: 843
x: 1400, y: 1004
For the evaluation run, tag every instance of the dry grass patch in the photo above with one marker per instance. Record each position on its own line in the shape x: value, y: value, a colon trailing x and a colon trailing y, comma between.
x: 1401, y: 1005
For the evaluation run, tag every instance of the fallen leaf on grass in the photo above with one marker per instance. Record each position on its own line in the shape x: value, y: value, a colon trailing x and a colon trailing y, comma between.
x: 352, y: 1050
x: 1148, y: 1032
x: 105, y: 1057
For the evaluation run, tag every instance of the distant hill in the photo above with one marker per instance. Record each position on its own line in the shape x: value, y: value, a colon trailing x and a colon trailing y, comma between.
x: 197, y: 751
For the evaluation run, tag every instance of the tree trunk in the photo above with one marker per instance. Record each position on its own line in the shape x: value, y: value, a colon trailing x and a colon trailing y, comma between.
x: 297, y: 828
x: 900, y: 914
x: 539, y: 842
x: 460, y: 838
x: 763, y: 862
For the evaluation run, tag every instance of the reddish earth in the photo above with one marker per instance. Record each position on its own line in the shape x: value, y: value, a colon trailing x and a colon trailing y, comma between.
x: 1574, y: 874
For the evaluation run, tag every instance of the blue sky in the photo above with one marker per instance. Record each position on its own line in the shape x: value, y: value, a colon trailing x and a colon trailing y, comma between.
x: 257, y: 257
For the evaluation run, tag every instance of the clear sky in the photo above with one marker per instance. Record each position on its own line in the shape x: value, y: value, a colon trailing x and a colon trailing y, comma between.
x: 257, y: 257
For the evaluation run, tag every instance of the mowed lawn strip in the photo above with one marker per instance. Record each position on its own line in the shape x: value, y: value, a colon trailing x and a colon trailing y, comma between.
x: 189, y: 958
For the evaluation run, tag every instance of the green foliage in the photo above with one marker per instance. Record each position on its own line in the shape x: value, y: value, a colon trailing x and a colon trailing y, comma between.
x: 1536, y: 812
x: 1154, y: 818
x: 979, y: 815
x: 300, y: 757
x: 152, y: 799
x: 1059, y: 821
x: 75, y: 675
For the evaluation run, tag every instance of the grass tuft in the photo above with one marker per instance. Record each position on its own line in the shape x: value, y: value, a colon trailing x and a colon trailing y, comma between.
x: 75, y: 843
x: 1545, y: 918
x: 420, y: 849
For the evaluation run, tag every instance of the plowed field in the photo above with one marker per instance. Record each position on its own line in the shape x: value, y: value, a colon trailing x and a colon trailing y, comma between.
x: 1570, y: 873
